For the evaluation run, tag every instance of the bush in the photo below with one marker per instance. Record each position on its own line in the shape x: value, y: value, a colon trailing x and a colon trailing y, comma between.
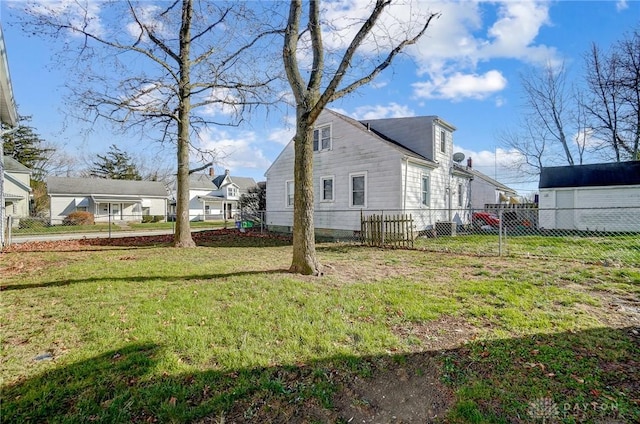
x: 79, y: 218
x: 147, y: 218
x: 158, y: 218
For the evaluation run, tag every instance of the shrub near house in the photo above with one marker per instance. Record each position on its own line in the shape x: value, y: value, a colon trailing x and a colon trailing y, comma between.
x: 79, y: 218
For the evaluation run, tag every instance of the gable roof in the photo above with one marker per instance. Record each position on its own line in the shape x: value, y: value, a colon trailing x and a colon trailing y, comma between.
x: 362, y: 125
x: 594, y: 175
x: 99, y: 186
x: 12, y: 165
x: 201, y: 181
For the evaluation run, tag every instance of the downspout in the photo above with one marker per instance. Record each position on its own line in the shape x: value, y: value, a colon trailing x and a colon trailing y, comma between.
x: 404, y: 194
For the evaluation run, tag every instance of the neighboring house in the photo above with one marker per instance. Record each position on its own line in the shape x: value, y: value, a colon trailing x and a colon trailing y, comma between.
x: 9, y: 117
x: 216, y: 197
x: 17, y: 189
x: 397, y: 165
x: 107, y: 200
x: 485, y: 190
x: 597, y: 197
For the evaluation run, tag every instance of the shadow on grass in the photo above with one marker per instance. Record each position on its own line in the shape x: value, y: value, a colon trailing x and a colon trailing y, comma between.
x: 140, y: 279
x: 586, y: 376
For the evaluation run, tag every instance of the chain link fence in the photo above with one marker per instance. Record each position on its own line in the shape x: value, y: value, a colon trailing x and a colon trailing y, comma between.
x: 607, y: 236
x: 25, y: 229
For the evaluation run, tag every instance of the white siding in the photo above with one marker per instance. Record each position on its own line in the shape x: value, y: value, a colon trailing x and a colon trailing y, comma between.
x: 594, y: 208
x: 353, y: 151
x: 356, y: 150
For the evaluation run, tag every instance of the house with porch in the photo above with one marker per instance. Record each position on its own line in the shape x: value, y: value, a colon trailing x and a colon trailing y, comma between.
x: 215, y: 197
x: 389, y: 166
x: 108, y: 200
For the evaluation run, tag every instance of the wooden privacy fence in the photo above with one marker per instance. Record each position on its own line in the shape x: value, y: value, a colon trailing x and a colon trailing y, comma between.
x: 390, y: 230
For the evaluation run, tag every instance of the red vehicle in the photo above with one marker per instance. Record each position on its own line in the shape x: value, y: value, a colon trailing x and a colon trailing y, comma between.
x: 481, y: 219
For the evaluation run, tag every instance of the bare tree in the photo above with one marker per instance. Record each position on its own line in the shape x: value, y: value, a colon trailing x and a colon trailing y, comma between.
x: 151, y: 65
x: 548, y: 101
x: 613, y: 97
x: 322, y: 86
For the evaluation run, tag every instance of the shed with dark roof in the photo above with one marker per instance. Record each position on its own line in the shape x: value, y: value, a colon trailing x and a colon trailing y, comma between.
x: 598, y: 197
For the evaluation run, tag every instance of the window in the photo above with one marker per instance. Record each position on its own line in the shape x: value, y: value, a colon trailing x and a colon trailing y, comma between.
x: 426, y: 195
x: 232, y: 192
x: 326, y: 185
x: 460, y: 195
x: 322, y: 138
x: 443, y: 141
x: 358, y: 189
x: 289, y: 194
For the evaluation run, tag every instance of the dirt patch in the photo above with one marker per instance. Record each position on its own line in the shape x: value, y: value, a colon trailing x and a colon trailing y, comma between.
x: 447, y: 332
x: 398, y: 391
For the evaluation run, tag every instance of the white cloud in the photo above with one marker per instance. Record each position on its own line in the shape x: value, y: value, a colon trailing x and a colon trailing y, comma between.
x: 237, y: 151
x: 146, y: 14
x: 621, y: 5
x: 225, y: 103
x: 392, y: 110
x: 77, y: 14
x: 459, y: 86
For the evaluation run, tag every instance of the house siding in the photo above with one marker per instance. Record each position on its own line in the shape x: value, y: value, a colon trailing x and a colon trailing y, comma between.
x: 19, y: 208
x: 353, y: 151
x: 583, y: 208
x: 393, y: 174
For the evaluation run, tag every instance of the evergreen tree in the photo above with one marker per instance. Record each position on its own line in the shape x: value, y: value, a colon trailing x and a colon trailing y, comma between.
x: 115, y: 165
x: 25, y: 145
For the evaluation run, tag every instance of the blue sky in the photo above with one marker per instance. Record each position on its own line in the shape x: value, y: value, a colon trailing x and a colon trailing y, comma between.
x: 465, y: 70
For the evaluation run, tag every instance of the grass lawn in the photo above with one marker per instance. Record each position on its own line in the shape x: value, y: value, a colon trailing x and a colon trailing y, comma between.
x: 222, y: 333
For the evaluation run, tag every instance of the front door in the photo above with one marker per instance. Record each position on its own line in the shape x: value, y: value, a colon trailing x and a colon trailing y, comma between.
x: 116, y: 210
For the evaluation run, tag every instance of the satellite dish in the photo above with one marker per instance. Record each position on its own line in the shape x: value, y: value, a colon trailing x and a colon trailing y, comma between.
x: 458, y: 157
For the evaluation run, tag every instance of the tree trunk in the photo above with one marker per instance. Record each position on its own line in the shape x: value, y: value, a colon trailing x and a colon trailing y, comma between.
x: 304, y: 248
x: 182, y: 237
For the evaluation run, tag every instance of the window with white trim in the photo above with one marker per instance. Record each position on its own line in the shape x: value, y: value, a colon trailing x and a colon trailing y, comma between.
x: 358, y: 190
x: 326, y: 188
x: 460, y: 195
x: 443, y: 141
x: 322, y: 138
x: 426, y: 191
x: 289, y: 187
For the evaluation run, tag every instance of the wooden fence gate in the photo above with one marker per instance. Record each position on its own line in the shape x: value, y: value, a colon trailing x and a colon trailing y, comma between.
x: 390, y: 230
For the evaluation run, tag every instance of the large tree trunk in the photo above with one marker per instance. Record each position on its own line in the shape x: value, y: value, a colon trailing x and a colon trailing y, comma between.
x: 304, y: 248
x: 182, y: 237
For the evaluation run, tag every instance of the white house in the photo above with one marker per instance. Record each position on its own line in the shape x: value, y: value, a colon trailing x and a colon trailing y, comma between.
x: 486, y: 190
x: 216, y: 197
x: 393, y: 166
x: 597, y: 197
x: 8, y: 117
x: 17, y: 189
x: 107, y: 200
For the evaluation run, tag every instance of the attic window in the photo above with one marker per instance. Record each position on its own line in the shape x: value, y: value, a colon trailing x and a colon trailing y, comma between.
x: 443, y: 141
x: 322, y: 138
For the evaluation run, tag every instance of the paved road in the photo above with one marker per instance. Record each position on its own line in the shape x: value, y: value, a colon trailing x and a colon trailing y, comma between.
x: 77, y: 236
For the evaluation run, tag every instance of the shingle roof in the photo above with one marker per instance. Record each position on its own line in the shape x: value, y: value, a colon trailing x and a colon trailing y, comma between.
x: 362, y: 126
x: 594, y: 175
x: 99, y: 186
x: 201, y: 181
x: 12, y: 165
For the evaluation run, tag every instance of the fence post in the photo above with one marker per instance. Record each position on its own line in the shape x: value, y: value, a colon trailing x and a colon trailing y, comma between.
x: 500, y: 226
x: 109, y: 220
x: 9, y: 230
